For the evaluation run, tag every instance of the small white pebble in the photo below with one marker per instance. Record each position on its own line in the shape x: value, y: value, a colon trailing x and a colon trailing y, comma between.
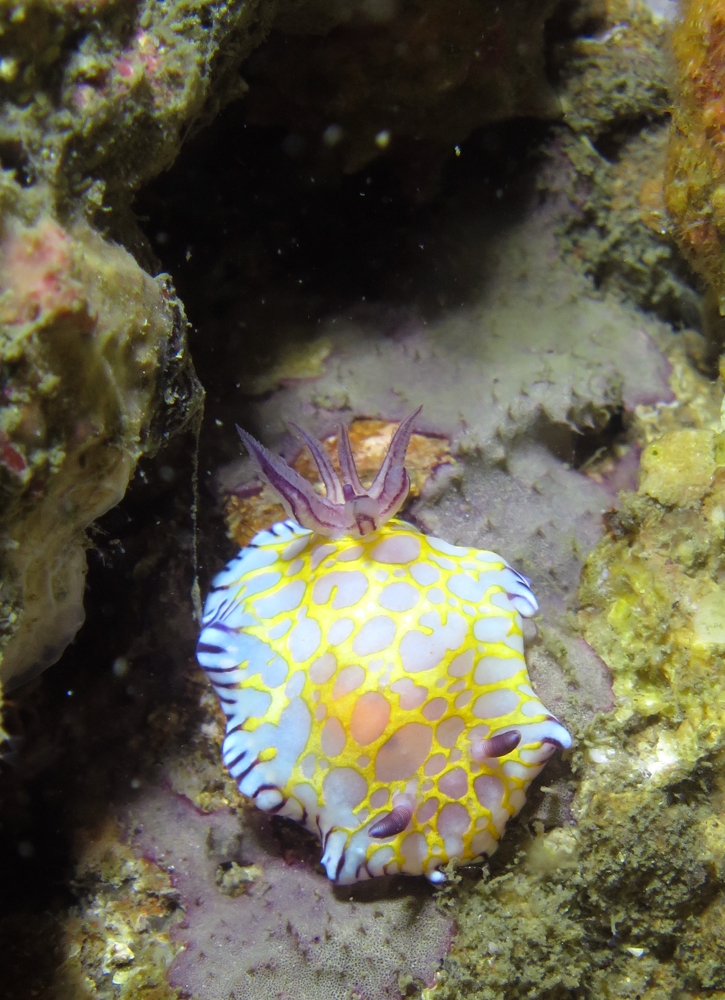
x: 119, y: 953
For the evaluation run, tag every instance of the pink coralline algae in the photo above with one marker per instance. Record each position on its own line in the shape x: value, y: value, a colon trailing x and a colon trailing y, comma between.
x: 143, y: 59
x: 10, y: 457
x: 36, y: 279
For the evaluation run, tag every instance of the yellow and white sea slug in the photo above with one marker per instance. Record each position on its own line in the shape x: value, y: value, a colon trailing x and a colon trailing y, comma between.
x: 374, y: 677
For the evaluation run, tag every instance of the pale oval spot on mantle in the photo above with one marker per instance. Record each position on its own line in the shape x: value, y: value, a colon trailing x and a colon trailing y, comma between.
x: 496, y: 703
x: 340, y: 630
x: 397, y: 549
x: 323, y: 668
x: 404, y: 752
x: 304, y: 640
x: 348, y: 680
x: 375, y: 636
x: 350, y: 586
x: 332, y: 737
x: 422, y: 651
x: 287, y: 598
x: 398, y: 597
x: 411, y: 695
x: 369, y: 718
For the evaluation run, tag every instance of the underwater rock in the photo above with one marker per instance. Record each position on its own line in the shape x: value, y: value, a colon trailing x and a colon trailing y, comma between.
x: 531, y: 352
x: 617, y: 70
x: 552, y: 362
x: 97, y: 374
x: 289, y: 933
x: 652, y: 591
x: 409, y: 79
x: 615, y: 224
x: 98, y: 97
x: 695, y: 187
x: 96, y: 101
x: 628, y: 901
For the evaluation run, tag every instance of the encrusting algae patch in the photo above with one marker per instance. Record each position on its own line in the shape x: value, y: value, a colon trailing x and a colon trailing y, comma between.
x: 695, y: 187
x: 653, y: 590
x: 628, y: 900
x: 118, y: 944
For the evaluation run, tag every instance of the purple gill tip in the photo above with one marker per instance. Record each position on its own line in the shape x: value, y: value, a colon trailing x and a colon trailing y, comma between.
x: 347, y: 509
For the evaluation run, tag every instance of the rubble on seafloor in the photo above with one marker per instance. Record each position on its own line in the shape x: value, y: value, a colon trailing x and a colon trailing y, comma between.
x: 545, y: 394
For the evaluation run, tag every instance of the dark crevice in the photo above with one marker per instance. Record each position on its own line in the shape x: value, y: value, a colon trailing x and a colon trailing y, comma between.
x: 610, y: 144
x: 599, y: 442
x: 578, y: 448
x: 13, y: 157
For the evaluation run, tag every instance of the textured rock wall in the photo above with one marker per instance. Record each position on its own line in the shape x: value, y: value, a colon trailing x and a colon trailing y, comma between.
x: 695, y: 189
x: 95, y: 374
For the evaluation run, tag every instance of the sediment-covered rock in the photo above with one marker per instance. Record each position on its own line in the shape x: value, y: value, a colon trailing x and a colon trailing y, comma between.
x: 695, y: 188
x: 95, y: 374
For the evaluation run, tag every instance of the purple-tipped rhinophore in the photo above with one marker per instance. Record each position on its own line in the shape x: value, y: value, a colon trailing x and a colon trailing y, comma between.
x: 348, y: 508
x: 391, y: 823
x: 495, y: 746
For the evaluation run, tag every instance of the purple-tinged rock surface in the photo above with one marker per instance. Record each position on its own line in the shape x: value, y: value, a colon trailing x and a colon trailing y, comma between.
x: 261, y: 923
x: 537, y: 356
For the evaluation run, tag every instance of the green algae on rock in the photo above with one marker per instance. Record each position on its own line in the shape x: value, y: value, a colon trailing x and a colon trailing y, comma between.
x: 629, y: 900
x: 619, y: 70
x: 619, y: 231
x: 653, y: 593
x: 695, y: 188
x: 95, y: 374
x: 118, y: 943
x: 97, y: 100
x: 99, y: 96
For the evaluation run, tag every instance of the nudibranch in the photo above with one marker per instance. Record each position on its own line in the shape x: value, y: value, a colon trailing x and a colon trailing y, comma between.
x: 374, y: 677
